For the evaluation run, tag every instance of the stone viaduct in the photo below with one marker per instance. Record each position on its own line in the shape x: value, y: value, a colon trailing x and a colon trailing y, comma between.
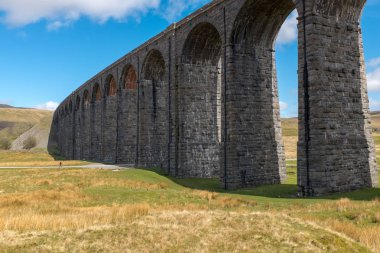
x: 200, y: 100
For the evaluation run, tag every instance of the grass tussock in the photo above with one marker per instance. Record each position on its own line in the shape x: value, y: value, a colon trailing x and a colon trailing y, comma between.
x: 39, y: 197
x: 359, y: 220
x: 222, y: 201
x: 64, y: 217
x: 127, y: 184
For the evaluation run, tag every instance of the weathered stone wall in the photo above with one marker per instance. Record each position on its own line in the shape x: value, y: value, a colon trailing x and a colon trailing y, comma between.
x: 341, y: 153
x: 110, y: 128
x: 85, y: 131
x: 77, y: 154
x: 202, y: 100
x: 199, y: 131
x: 96, y: 131
x: 128, y: 127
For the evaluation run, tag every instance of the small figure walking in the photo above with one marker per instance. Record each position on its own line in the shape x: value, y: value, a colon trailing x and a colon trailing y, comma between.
x: 60, y: 165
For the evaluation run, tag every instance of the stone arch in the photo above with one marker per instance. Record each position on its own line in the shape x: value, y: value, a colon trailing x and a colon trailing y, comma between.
x: 110, y: 120
x: 86, y: 125
x: 253, y: 110
x: 129, y: 78
x: 86, y: 98
x: 77, y: 129
x: 154, y: 66
x: 70, y: 108
x: 259, y: 22
x: 77, y: 103
x: 96, y: 93
x: 69, y: 130
x: 127, y: 143
x: 203, y: 44
x: 342, y: 10
x: 154, y: 111
x: 96, y: 124
x: 111, y: 86
x: 200, y: 103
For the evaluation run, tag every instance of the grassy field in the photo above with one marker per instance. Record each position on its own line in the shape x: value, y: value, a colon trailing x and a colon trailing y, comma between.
x: 144, y: 211
x: 33, y: 159
x: 74, y: 210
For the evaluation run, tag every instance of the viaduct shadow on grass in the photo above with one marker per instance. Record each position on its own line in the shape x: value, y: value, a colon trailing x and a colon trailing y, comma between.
x: 282, y: 191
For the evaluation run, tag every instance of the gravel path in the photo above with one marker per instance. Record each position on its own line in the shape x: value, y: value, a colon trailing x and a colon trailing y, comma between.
x: 88, y: 166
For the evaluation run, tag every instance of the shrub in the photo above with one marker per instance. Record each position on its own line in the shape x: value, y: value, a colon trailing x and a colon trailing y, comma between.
x: 5, y: 144
x: 30, y: 142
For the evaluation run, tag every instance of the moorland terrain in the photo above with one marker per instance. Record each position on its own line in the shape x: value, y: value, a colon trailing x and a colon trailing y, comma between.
x: 141, y: 210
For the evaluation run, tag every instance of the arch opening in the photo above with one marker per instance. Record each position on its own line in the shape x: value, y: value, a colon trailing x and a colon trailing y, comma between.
x: 154, y: 66
x: 86, y: 125
x: 203, y: 45
x: 77, y: 105
x: 154, y: 111
x: 111, y: 87
x: 200, y: 103
x: 255, y: 110
x: 130, y: 78
x: 96, y: 93
x: 96, y: 124
x: 127, y: 143
x: 70, y: 107
x: 86, y: 98
x: 259, y: 22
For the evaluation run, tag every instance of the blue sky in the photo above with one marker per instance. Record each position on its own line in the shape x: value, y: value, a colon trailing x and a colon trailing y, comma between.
x: 49, y: 48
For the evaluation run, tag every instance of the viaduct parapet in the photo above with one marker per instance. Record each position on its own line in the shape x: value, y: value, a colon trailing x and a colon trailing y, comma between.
x: 201, y: 100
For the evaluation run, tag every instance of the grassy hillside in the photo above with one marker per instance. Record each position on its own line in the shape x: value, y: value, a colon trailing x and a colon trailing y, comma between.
x: 290, y: 134
x: 290, y: 137
x: 145, y: 211
x: 17, y: 125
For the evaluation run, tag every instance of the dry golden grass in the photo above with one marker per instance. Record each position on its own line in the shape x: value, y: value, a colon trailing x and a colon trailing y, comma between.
x: 42, y: 164
x: 126, y: 184
x: 64, y: 217
x: 368, y: 236
x: 290, y: 144
x: 32, y: 159
x: 45, y: 210
x: 189, y: 231
x: 60, y: 208
x: 357, y: 220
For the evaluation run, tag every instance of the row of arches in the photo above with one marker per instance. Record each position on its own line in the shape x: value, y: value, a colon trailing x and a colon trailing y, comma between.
x: 199, y: 103
x: 225, y: 117
x: 199, y: 121
x: 100, y: 112
x: 110, y: 89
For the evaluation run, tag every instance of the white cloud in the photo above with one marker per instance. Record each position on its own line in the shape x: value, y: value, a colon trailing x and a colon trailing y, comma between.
x: 373, y: 75
x: 289, y: 30
x: 175, y: 8
x: 373, y: 80
x: 283, y: 106
x: 374, y: 63
x: 60, y: 12
x: 50, y: 105
x: 57, y: 25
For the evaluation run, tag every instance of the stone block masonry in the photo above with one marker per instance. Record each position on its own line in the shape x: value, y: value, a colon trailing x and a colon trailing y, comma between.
x: 201, y: 100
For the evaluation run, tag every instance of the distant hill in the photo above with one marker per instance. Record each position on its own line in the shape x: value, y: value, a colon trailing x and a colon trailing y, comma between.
x: 20, y: 126
x: 5, y: 106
